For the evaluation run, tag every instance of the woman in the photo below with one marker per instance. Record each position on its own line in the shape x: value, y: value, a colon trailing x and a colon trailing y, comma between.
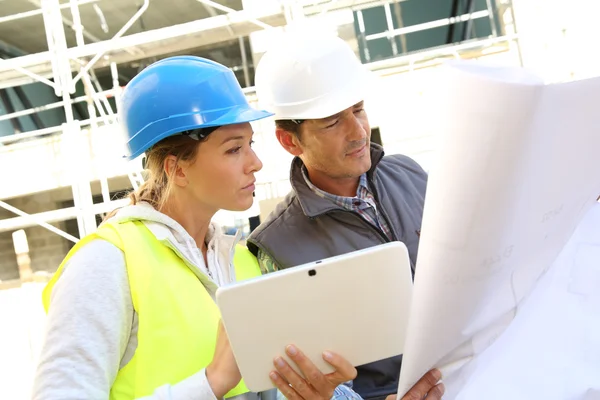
x: 131, y: 310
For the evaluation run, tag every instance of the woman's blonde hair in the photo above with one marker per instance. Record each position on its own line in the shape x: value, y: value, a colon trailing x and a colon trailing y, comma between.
x: 157, y: 187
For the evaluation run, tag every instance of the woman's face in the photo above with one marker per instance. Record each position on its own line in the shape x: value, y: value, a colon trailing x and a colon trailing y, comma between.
x: 222, y: 175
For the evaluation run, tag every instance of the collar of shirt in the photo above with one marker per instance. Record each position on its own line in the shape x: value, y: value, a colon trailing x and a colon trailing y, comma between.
x: 363, y: 199
x: 363, y: 203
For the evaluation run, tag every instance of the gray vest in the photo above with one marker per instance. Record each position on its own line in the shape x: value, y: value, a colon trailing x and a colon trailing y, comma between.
x: 305, y: 228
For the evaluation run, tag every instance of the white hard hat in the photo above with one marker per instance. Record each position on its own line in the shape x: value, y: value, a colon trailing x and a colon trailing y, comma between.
x: 310, y: 77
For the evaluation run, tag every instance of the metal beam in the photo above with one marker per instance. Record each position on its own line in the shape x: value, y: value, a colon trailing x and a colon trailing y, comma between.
x: 50, y: 130
x: 229, y: 10
x: 37, y: 121
x: 47, y: 217
x: 492, y: 18
x: 468, y: 26
x: 244, y: 61
x: 429, y: 25
x: 391, y: 63
x: 16, y: 124
x: 180, y: 37
x: 99, y: 55
x: 9, y: 50
x: 334, y: 5
x: 39, y: 11
x: 32, y: 76
x: 33, y: 220
x: 88, y: 35
x: 211, y: 11
x: 453, y: 14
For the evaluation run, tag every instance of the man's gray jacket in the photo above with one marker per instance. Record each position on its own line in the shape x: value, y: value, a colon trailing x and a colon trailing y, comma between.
x: 306, y: 227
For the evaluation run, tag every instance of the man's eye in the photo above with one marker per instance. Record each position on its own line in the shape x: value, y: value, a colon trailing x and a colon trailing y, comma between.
x: 333, y: 124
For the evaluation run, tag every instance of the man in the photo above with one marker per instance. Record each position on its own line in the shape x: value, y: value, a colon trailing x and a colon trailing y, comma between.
x: 346, y: 196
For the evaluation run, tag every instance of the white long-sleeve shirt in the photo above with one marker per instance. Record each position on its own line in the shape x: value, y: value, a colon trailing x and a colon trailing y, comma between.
x: 92, y: 327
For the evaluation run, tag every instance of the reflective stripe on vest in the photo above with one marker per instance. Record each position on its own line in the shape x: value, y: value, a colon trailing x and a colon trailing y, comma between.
x: 177, y: 318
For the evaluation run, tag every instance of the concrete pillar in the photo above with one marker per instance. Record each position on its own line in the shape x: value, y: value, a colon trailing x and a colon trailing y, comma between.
x: 22, y: 252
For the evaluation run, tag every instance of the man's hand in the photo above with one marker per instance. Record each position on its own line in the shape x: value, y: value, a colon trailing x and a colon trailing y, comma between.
x: 426, y: 386
x: 316, y: 385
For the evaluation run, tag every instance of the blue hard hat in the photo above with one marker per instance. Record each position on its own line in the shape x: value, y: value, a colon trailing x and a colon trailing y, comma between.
x: 178, y: 94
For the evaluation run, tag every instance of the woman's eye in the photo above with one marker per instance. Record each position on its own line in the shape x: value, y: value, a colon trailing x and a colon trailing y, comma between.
x: 235, y: 150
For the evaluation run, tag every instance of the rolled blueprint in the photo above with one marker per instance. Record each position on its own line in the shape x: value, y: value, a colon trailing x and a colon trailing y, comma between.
x: 517, y: 170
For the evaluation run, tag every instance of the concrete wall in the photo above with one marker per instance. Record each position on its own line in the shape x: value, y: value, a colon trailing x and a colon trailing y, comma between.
x: 46, y: 248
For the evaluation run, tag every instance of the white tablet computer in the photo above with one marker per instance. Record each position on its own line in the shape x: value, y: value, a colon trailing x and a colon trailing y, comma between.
x: 355, y: 304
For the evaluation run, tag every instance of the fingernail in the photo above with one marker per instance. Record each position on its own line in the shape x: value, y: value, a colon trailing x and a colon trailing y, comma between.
x: 327, y: 355
x: 273, y: 375
x: 442, y: 388
x: 292, y: 350
x: 279, y: 362
x: 437, y: 374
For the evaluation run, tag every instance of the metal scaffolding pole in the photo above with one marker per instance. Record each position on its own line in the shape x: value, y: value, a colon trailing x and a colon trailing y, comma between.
x: 34, y: 220
x: 16, y: 124
x: 231, y: 10
x: 71, y: 24
x: 41, y: 62
x: 51, y: 106
x: 244, y: 61
x: 77, y: 27
x: 492, y: 18
x: 61, y: 62
x: 25, y: 220
x: 61, y: 59
x: 80, y: 186
x: 37, y: 121
x: 468, y: 26
x: 97, y: 57
x: 430, y: 25
x: 38, y: 12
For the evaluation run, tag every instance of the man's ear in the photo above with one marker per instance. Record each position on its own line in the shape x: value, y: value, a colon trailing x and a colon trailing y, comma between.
x: 289, y: 141
x: 175, y: 171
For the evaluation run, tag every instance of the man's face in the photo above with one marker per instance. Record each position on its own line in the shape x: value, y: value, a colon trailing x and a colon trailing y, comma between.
x: 337, y: 147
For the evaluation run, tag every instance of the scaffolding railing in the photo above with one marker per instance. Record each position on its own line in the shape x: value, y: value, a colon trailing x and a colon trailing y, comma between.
x: 64, y: 85
x: 64, y: 61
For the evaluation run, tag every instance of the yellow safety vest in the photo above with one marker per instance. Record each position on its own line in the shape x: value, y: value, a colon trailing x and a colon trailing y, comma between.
x: 177, y: 318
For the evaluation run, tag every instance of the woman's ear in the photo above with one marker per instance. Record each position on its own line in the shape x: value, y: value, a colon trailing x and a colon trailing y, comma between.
x: 175, y: 171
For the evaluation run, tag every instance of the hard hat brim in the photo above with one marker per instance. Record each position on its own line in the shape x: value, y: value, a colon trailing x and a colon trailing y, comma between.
x: 327, y: 104
x: 178, y: 123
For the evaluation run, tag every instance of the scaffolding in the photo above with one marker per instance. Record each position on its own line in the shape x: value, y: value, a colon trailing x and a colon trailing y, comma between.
x: 61, y: 68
